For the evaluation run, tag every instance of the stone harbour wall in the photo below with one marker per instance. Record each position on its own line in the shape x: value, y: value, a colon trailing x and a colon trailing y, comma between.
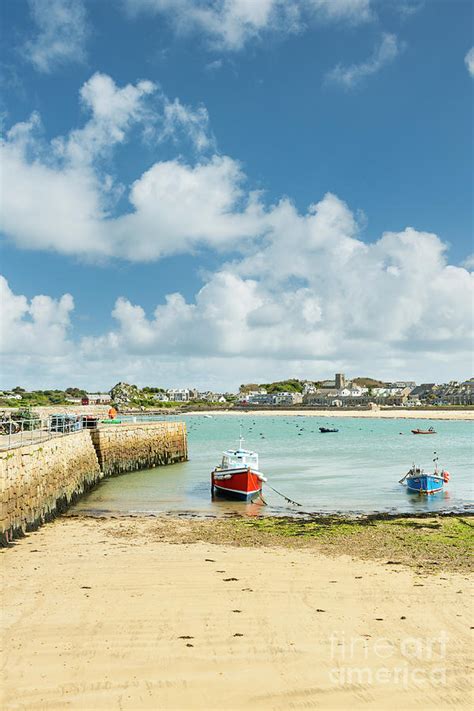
x: 143, y: 445
x: 39, y: 481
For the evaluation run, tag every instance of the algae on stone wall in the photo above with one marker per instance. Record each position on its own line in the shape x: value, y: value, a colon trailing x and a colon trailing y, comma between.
x: 123, y: 448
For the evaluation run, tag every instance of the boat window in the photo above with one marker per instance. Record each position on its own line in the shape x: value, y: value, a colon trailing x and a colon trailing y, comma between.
x: 237, y: 460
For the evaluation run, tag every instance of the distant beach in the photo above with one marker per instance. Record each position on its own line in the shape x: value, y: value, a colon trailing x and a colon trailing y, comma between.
x: 403, y: 414
x: 389, y: 413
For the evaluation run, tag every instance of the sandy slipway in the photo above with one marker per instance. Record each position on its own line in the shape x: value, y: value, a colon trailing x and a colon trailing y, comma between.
x: 237, y: 614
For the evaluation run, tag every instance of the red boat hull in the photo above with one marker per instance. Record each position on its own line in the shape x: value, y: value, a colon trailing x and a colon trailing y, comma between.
x: 241, y: 484
x: 423, y: 432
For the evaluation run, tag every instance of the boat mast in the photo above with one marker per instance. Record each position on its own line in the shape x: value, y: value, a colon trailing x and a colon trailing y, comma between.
x: 241, y: 439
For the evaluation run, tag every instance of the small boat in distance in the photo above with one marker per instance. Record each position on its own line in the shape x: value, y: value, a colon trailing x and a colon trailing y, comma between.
x: 418, y: 481
x: 238, y: 476
x: 428, y: 431
x: 324, y: 430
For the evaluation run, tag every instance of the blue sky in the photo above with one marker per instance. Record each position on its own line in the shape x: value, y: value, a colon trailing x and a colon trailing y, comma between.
x: 238, y: 117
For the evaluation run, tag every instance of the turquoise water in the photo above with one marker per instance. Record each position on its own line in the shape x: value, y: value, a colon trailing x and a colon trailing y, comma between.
x: 355, y: 470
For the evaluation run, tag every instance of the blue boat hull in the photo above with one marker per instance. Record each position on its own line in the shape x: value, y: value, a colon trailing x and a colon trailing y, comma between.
x: 425, y: 484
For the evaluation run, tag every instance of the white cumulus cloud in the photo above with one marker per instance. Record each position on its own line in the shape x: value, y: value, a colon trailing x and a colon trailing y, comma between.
x: 59, y: 196
x: 392, y: 308
x: 38, y: 326
x: 177, y: 207
x: 303, y: 295
x: 113, y: 112
x: 312, y: 292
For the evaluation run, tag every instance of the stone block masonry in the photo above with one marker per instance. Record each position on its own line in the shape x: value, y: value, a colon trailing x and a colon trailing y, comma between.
x: 39, y: 481
x: 143, y: 445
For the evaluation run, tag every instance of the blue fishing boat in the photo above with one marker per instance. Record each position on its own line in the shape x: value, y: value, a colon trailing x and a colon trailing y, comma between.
x: 420, y: 482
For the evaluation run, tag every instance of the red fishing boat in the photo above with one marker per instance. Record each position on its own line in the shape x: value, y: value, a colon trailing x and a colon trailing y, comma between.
x: 238, y: 476
x: 428, y: 431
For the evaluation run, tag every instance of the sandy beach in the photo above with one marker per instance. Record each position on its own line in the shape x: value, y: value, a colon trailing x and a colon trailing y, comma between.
x: 171, y: 614
x: 336, y: 412
x: 101, y: 411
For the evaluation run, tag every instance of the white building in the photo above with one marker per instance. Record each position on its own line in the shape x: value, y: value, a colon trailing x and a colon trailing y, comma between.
x: 178, y: 394
x: 161, y: 397
x: 98, y: 398
x: 287, y: 398
x: 403, y: 384
x: 208, y: 396
x: 353, y: 391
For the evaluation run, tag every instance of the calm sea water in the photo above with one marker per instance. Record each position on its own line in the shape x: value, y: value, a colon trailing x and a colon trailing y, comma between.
x: 356, y: 470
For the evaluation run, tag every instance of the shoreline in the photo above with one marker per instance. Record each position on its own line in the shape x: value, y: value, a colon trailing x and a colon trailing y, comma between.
x: 294, y: 516
x: 198, y: 609
x: 389, y: 413
x: 417, y: 538
x: 370, y: 414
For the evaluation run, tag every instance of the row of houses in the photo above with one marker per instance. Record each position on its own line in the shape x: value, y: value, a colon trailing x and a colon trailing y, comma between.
x: 170, y: 395
x: 452, y: 393
x: 333, y: 393
x: 261, y: 397
x: 399, y: 393
x: 358, y: 397
x: 330, y: 393
x: 188, y: 395
x: 341, y: 392
x: 91, y: 399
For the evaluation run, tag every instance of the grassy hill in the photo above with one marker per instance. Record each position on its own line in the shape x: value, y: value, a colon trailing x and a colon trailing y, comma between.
x: 368, y: 383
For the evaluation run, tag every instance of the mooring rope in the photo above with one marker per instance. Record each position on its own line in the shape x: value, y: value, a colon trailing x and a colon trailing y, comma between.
x: 402, y: 480
x: 295, y: 503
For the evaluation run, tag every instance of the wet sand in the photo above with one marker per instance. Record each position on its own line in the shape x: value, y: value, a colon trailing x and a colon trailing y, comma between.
x: 150, y: 614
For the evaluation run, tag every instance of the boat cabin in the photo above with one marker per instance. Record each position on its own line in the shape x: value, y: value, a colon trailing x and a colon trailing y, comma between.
x: 235, y: 459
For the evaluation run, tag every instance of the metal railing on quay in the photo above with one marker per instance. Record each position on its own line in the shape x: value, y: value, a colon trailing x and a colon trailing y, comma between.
x: 21, y: 431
